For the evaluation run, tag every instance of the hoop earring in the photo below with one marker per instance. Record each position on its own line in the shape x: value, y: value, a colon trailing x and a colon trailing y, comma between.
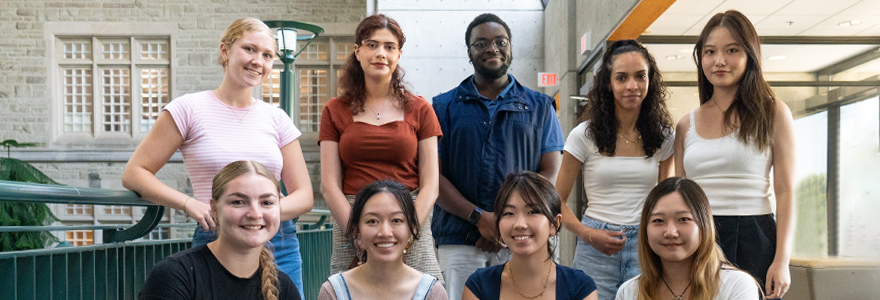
x: 408, y: 245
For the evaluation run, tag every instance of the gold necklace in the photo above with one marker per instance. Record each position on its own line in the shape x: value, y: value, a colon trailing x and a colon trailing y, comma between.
x: 236, y: 114
x: 674, y: 296
x: 628, y: 141
x: 723, y: 111
x: 516, y: 287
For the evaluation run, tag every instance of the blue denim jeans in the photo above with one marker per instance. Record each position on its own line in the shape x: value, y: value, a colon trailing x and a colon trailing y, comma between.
x: 609, y: 272
x: 285, y: 245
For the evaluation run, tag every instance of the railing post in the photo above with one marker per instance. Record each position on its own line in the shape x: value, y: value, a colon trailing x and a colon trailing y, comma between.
x: 149, y: 221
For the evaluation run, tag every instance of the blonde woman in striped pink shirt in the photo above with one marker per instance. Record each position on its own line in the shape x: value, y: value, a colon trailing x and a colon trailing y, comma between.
x: 214, y: 128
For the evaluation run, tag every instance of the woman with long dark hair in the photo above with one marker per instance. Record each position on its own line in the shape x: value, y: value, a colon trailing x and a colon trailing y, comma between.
x: 678, y: 254
x: 730, y: 144
x: 623, y: 148
x: 376, y: 130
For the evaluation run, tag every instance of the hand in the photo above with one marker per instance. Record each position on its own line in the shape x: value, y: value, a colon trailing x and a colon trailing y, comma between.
x: 607, y: 242
x: 778, y: 280
x: 201, y: 212
x: 486, y: 225
x: 488, y: 245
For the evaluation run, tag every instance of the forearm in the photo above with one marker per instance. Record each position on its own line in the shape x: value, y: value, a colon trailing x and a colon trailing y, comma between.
x: 784, y: 227
x: 571, y: 222
x: 338, y: 205
x: 296, y: 204
x: 452, y: 201
x: 149, y: 187
x: 549, y: 165
x: 425, y: 203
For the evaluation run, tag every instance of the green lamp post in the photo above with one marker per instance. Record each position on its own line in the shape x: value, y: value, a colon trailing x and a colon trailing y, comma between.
x: 286, y: 38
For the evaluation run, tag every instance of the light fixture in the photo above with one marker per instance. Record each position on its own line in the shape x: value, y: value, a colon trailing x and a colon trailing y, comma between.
x: 849, y: 23
x: 286, y: 37
x: 671, y: 57
x: 777, y: 57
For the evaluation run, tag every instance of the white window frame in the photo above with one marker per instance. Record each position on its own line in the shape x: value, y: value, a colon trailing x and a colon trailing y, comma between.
x: 55, y: 32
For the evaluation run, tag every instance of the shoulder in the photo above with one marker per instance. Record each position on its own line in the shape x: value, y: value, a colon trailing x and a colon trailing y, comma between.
x: 781, y: 110
x: 629, y: 289
x: 487, y: 274
x: 446, y: 97
x: 737, y: 278
x: 327, y: 292
x: 335, y: 104
x: 577, y: 279
x: 419, y: 104
x: 438, y: 292
x: 287, y: 289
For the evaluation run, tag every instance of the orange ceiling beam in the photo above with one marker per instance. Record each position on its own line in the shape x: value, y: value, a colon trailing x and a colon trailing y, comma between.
x: 639, y: 19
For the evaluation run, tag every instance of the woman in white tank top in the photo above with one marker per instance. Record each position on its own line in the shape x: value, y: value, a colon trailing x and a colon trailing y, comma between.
x: 623, y: 148
x: 729, y: 145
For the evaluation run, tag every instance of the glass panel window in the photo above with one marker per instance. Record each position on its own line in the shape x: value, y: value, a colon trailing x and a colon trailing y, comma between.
x: 115, y: 50
x: 158, y: 234
x: 317, y: 50
x: 312, y: 95
x: 811, y: 230
x: 272, y: 88
x: 859, y: 173
x: 77, y: 50
x: 116, y: 100
x: 117, y: 210
x: 154, y: 95
x: 79, y: 209
x: 154, y: 50
x: 81, y: 237
x: 343, y: 50
x: 77, y: 100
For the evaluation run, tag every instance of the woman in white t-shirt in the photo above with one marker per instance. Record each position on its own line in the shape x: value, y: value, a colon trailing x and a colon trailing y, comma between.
x: 623, y: 148
x: 678, y: 254
x: 216, y: 127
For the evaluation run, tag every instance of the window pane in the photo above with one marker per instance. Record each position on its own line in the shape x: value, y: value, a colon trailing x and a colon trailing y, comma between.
x: 811, y: 230
x: 154, y: 50
x: 115, y: 50
x: 859, y: 175
x: 316, y: 51
x: 271, y: 88
x: 77, y: 100
x: 79, y: 209
x: 117, y: 100
x: 313, y: 95
x: 343, y: 50
x: 154, y: 95
x: 77, y: 50
x: 80, y: 237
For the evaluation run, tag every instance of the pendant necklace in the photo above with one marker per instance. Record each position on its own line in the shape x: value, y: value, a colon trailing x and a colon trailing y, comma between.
x: 378, y: 113
x: 240, y: 119
x: 516, y: 287
x: 630, y: 142
x: 723, y: 111
x: 674, y: 296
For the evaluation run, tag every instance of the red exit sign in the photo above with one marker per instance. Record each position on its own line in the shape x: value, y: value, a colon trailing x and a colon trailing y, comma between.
x: 548, y: 79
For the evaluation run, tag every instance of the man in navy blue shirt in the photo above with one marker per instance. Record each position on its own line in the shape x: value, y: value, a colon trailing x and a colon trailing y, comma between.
x: 492, y: 126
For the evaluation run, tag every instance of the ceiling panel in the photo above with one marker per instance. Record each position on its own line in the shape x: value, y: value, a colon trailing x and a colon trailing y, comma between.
x: 700, y: 7
x: 789, y: 22
x: 753, y: 7
x: 798, y: 58
x: 816, y: 7
x: 864, y: 8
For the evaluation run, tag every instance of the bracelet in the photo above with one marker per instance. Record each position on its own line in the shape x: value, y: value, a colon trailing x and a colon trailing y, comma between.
x: 591, y: 237
x: 184, y: 204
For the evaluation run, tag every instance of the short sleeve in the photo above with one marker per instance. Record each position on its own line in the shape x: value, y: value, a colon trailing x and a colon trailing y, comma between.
x: 287, y: 132
x: 629, y: 290
x: 438, y: 292
x: 287, y: 289
x: 439, y: 114
x: 667, y: 147
x: 329, y: 130
x: 180, y: 110
x: 738, y: 285
x: 427, y: 119
x: 168, y: 280
x: 578, y: 143
x: 552, y: 135
x: 474, y: 282
x: 582, y: 282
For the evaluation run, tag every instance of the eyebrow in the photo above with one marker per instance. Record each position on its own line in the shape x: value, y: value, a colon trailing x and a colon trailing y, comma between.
x: 378, y: 42
x: 243, y: 196
x: 400, y: 212
x: 683, y: 212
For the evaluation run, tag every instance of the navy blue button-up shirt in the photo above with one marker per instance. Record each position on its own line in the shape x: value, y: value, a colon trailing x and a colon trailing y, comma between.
x: 478, y: 150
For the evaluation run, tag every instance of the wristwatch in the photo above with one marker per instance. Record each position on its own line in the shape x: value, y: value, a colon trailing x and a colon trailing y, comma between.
x: 475, y: 216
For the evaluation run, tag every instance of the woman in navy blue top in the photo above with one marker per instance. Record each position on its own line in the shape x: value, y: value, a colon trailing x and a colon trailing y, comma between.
x: 529, y: 215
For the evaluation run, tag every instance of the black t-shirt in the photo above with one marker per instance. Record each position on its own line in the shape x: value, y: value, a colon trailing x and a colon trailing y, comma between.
x: 196, y: 273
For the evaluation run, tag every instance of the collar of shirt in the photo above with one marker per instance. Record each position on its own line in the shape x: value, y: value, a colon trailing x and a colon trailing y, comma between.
x: 502, y: 95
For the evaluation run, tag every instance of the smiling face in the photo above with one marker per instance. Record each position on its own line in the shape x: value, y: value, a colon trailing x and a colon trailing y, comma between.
x: 493, y: 61
x: 248, y: 212
x: 382, y: 230
x: 629, y: 80
x: 524, y: 229
x: 379, y: 54
x: 249, y: 59
x: 673, y: 233
x: 723, y: 58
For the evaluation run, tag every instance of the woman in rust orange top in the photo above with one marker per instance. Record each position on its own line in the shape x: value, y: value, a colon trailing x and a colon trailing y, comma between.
x: 378, y: 130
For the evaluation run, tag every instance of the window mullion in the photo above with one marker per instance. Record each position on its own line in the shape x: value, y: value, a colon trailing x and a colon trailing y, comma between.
x: 97, y: 94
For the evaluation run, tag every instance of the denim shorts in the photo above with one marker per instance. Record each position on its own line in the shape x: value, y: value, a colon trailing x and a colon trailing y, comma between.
x: 609, y: 272
x: 284, y: 244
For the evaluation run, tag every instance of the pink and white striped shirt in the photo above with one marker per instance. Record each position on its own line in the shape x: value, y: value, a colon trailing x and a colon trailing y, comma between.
x: 213, y: 136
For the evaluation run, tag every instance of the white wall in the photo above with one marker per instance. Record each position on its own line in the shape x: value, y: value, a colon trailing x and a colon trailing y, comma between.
x: 435, y: 54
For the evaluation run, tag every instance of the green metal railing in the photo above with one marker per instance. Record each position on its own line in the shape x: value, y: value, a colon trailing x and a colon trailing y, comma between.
x: 117, y: 268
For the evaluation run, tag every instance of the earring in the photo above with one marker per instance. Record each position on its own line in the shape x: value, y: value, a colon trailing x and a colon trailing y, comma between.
x: 408, y: 244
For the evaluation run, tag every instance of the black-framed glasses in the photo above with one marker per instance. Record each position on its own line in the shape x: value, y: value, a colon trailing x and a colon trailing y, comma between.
x: 483, y: 44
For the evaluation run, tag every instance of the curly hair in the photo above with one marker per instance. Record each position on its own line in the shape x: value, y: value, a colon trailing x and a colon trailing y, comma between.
x: 654, y: 122
x: 754, y: 99
x: 352, y: 81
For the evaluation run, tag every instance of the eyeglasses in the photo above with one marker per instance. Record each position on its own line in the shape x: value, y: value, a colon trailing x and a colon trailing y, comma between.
x: 484, y: 44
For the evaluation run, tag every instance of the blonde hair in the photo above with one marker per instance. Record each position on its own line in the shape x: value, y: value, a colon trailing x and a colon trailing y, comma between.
x: 708, y: 259
x: 238, y: 29
x: 268, y: 269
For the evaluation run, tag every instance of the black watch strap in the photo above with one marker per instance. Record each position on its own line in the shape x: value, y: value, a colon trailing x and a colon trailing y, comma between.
x: 475, y: 216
